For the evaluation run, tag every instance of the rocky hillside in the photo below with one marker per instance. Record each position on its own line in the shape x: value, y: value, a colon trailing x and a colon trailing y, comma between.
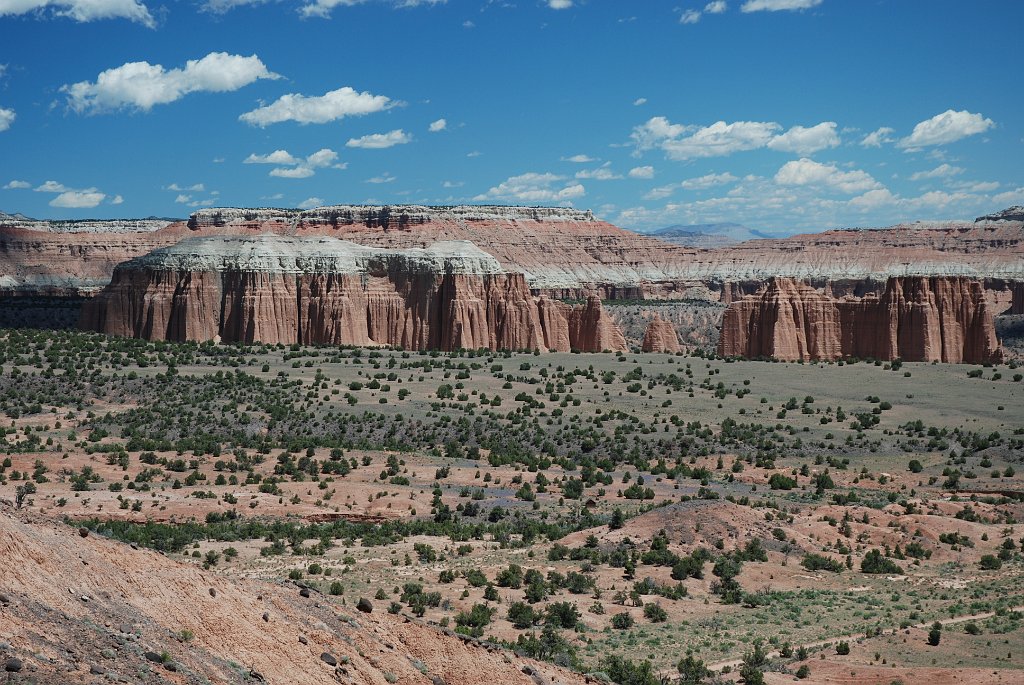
x: 87, y: 609
x: 307, y: 289
x: 945, y: 319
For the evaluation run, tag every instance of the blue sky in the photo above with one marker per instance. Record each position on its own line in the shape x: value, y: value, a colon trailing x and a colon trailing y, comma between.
x: 784, y: 115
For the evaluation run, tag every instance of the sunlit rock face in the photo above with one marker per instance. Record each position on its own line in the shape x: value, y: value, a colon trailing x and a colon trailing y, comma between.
x: 945, y: 319
x: 314, y: 289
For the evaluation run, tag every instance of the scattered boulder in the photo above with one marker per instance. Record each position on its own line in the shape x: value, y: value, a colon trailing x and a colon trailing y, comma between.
x: 266, y: 617
x: 153, y: 657
x: 13, y: 665
x: 96, y: 669
x: 364, y: 605
x: 304, y: 592
x: 213, y: 592
x: 303, y: 640
x: 328, y: 659
x: 84, y: 532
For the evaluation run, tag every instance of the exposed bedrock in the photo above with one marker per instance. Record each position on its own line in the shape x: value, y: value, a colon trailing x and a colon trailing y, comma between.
x: 945, y: 319
x: 310, y: 290
x: 660, y: 336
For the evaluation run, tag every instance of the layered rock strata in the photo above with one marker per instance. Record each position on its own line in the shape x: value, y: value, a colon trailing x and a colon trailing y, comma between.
x: 945, y: 319
x: 660, y: 336
x: 310, y: 290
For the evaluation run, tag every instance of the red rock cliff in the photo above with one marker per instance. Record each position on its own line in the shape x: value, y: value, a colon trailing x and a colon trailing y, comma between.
x: 660, y: 336
x: 276, y: 289
x: 945, y: 319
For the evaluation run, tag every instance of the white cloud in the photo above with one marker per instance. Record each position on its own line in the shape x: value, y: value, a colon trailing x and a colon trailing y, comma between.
x: 439, y: 125
x: 559, y: 4
x: 183, y: 198
x: 142, y: 85
x: 941, y: 171
x: 721, y: 139
x: 708, y: 181
x: 275, y: 157
x: 317, y: 109
x: 579, y: 159
x: 977, y: 186
x: 655, y: 131
x: 453, y: 184
x: 310, y: 202
x: 806, y: 141
x: 379, y: 141
x: 82, y: 10
x: 878, y: 137
x: 51, y: 187
x: 1010, y: 197
x: 196, y: 188
x: 601, y: 173
x: 117, y: 200
x: 383, y: 178
x: 715, y: 7
x: 474, y: 153
x: 302, y: 168
x: 78, y: 199
x: 776, y: 5
x: 292, y: 172
x: 534, y: 187
x: 641, y: 172
x: 322, y: 8
x: 7, y: 117
x: 689, y: 17
x: 948, y: 127
x: 17, y: 185
x: 806, y: 172
x: 639, y: 101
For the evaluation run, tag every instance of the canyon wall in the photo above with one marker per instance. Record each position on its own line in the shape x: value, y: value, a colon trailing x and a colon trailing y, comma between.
x: 945, y: 319
x: 309, y: 290
x: 660, y: 336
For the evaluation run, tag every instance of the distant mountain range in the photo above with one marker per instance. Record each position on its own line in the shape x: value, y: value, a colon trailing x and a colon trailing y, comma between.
x: 707, y: 235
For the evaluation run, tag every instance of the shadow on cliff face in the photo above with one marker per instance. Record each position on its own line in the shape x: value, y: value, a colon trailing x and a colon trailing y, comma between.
x: 1010, y: 330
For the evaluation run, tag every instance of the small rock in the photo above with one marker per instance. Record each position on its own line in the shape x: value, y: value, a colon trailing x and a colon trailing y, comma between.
x: 85, y: 598
x: 303, y: 640
x: 171, y: 666
x: 153, y: 656
x: 126, y: 628
x: 4, y: 599
x: 528, y: 670
x: 13, y: 665
x: 256, y: 675
x: 437, y: 680
x: 134, y: 545
x: 84, y: 532
x: 97, y: 670
x: 364, y: 605
x: 328, y: 659
x: 304, y: 592
x: 213, y: 592
x: 266, y: 616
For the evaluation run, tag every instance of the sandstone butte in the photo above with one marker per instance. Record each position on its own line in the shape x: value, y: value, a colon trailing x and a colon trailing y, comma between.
x: 660, y: 336
x: 945, y: 319
x: 311, y: 289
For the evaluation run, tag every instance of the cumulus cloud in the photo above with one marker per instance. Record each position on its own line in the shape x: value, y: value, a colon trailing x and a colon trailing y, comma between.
x: 878, y: 137
x: 1010, y: 197
x: 579, y: 159
x: 534, y: 187
x: 317, y: 109
x: 51, y: 187
x: 806, y: 141
x: 17, y: 185
x: 78, y: 199
x: 945, y: 128
x: 141, y: 85
x: 655, y: 131
x: 601, y: 173
x: 721, y: 139
x: 777, y: 5
x: 290, y: 166
x: 806, y: 172
x: 383, y: 178
x: 439, y: 125
x: 311, y: 202
x: 6, y: 118
x: 708, y: 181
x: 715, y: 7
x: 379, y: 141
x: 322, y: 8
x: 275, y: 157
x: 941, y: 171
x: 81, y: 10
x: 641, y: 172
x: 689, y: 17
x: 639, y: 101
x: 196, y: 187
x: 692, y: 16
x: 559, y: 4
